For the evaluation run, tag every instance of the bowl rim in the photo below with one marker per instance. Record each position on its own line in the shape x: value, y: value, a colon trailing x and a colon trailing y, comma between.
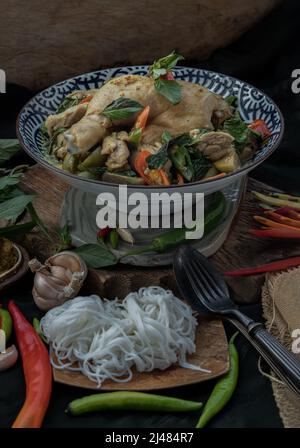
x: 12, y: 269
x: 205, y: 182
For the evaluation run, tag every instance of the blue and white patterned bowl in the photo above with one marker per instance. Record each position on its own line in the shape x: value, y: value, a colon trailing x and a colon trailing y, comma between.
x: 253, y: 105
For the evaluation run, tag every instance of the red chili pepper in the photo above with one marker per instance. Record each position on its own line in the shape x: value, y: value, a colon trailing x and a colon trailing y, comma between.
x: 102, y: 234
x: 283, y: 219
x: 289, y: 212
x: 169, y: 76
x: 87, y: 99
x: 275, y: 233
x: 37, y: 372
x: 261, y: 127
x: 278, y: 265
x: 274, y: 224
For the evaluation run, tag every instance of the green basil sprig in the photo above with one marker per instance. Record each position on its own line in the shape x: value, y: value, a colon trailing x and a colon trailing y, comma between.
x: 168, y: 88
x: 122, y: 108
x: 164, y: 65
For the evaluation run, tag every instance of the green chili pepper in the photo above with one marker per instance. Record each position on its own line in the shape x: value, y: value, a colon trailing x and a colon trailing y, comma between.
x: 5, y: 323
x: 130, y: 401
x: 70, y: 162
x: 113, y: 238
x: 36, y: 325
x: 94, y: 159
x: 224, y: 388
x: 181, y: 159
x: 169, y: 240
x: 135, y: 136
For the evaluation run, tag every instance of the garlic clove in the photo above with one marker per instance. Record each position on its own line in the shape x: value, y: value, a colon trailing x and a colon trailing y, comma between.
x: 48, y: 286
x: 44, y: 304
x: 125, y: 235
x: 63, y: 274
x: 68, y: 260
x: 8, y: 358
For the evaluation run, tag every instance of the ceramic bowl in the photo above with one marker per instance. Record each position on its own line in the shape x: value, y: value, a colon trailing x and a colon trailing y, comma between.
x: 253, y: 104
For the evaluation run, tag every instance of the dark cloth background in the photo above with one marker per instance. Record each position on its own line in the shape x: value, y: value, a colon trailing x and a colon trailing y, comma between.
x: 265, y: 56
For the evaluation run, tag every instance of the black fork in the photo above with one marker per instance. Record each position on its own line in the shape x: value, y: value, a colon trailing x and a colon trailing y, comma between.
x: 205, y: 289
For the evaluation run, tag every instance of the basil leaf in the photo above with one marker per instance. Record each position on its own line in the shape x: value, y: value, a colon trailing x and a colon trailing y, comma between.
x: 201, y: 164
x: 156, y: 161
x: 67, y: 102
x: 15, y: 231
x: 122, y: 108
x: 181, y: 160
x: 8, y: 148
x: 12, y: 208
x: 98, y: 169
x: 49, y: 142
x: 96, y: 255
x: 166, y: 137
x: 8, y: 181
x: 236, y: 127
x: 37, y: 221
x: 170, y: 89
x: 232, y: 100
x: 164, y: 65
x: 129, y: 173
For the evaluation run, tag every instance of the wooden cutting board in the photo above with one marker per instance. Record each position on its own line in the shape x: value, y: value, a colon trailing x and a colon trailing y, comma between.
x: 211, y: 354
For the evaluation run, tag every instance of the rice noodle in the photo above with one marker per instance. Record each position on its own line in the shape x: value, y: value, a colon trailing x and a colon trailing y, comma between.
x: 103, y: 339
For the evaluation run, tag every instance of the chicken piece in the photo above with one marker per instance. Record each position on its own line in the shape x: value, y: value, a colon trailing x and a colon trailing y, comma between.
x: 85, y: 134
x: 117, y: 151
x: 195, y: 110
x: 65, y: 119
x: 215, y: 145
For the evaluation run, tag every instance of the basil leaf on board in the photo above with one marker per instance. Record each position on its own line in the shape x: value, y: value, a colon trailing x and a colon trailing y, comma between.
x: 8, y: 148
x: 96, y: 255
x: 164, y: 65
x: 122, y: 108
x: 37, y: 220
x: 8, y: 181
x: 15, y: 231
x: 12, y: 208
x: 170, y: 89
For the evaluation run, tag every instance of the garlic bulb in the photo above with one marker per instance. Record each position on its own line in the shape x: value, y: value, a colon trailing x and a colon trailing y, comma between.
x: 8, y: 358
x: 58, y: 280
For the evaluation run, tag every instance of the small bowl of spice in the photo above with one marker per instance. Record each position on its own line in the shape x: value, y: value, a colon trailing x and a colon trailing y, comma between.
x: 13, y: 262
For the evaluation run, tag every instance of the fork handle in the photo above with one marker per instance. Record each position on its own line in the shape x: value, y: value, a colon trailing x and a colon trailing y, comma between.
x: 286, y: 361
x: 266, y: 355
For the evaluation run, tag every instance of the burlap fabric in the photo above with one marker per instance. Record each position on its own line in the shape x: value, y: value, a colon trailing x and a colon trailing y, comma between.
x: 281, y: 308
